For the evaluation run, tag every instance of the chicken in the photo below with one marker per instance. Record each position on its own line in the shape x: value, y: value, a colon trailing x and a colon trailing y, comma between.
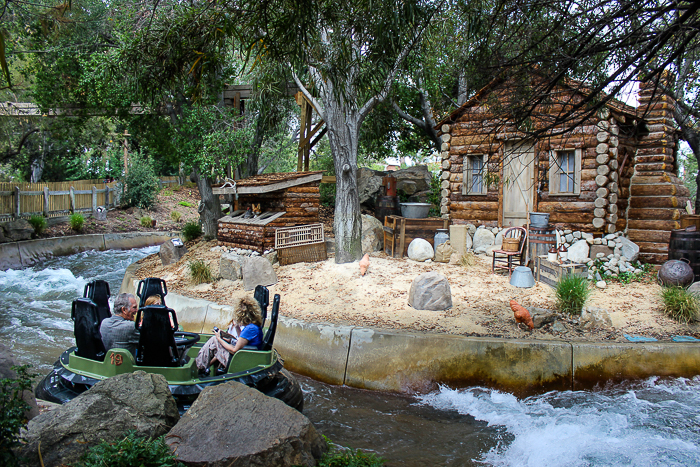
x: 521, y: 314
x: 364, y: 264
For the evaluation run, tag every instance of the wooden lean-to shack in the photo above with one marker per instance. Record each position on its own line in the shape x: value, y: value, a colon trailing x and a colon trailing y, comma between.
x: 615, y: 171
x: 284, y: 200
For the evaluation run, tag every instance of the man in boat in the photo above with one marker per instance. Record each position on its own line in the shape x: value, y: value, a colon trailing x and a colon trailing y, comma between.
x: 118, y: 330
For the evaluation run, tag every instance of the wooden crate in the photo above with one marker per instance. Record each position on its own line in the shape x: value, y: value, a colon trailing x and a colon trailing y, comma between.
x: 304, y: 243
x: 399, y: 232
x: 549, y: 272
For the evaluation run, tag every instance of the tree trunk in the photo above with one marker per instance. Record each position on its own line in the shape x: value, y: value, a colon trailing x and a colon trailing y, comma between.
x: 210, y: 207
x: 343, y: 135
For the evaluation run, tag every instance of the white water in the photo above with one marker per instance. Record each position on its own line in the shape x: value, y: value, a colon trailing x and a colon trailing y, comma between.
x: 652, y: 423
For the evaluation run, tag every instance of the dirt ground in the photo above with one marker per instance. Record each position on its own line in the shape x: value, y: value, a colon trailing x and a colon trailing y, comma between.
x: 336, y: 293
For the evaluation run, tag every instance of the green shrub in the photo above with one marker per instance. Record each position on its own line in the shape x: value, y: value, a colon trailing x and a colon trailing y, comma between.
x: 146, y: 221
x: 176, y: 216
x: 38, y: 223
x: 190, y: 185
x: 187, y: 204
x: 679, y: 304
x: 327, y: 191
x: 190, y: 231
x: 166, y: 192
x: 200, y: 271
x: 142, y: 184
x: 77, y: 221
x: 130, y: 451
x: 571, y: 293
x: 434, y: 197
x: 12, y: 415
x: 336, y: 457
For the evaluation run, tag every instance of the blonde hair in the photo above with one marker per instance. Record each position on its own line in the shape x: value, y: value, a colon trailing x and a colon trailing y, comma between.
x: 153, y: 300
x: 248, y: 312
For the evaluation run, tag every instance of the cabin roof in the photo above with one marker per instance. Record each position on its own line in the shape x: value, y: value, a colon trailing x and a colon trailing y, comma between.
x: 266, y: 183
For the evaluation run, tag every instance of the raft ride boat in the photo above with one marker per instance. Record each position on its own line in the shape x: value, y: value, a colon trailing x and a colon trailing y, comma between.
x: 163, y: 350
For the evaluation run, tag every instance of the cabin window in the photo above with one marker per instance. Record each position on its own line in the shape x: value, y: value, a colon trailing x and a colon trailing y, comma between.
x: 474, y: 179
x: 565, y: 172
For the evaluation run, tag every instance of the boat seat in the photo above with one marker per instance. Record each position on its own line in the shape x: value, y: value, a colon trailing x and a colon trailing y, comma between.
x: 98, y: 292
x: 151, y: 286
x: 85, y: 315
x: 262, y: 295
x: 269, y: 338
x: 157, y: 346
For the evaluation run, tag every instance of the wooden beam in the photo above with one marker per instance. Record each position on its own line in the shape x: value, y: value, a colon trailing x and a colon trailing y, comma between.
x: 254, y: 190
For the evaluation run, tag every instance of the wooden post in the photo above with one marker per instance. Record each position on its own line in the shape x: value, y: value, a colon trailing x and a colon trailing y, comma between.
x: 106, y: 196
x: 126, y: 153
x: 94, y: 199
x: 72, y: 199
x: 46, y: 201
x: 17, y: 207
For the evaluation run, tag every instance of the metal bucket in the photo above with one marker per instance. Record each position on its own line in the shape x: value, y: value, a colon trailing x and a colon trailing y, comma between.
x: 539, y: 219
x: 415, y: 210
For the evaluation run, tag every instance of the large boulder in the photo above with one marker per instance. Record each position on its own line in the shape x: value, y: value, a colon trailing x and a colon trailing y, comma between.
x: 17, y: 230
x: 595, y: 318
x: 233, y: 425
x: 578, y: 252
x: 413, y: 179
x: 171, y: 251
x: 7, y: 361
x: 368, y: 183
x: 372, y: 234
x: 483, y: 239
x: 629, y: 249
x: 430, y: 291
x: 257, y: 271
x: 420, y: 250
x: 134, y: 401
x: 231, y: 266
x: 541, y: 316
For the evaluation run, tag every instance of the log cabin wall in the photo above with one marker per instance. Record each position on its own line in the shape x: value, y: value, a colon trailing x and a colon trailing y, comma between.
x: 657, y: 195
x: 301, y: 204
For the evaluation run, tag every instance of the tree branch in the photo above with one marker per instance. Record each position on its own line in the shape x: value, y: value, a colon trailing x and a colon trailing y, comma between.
x: 308, y: 96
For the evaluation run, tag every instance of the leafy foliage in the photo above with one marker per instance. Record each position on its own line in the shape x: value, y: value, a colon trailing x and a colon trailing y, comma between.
x: 434, y: 196
x: 175, y: 216
x: 130, y: 451
x: 327, y: 191
x: 571, y: 293
x: 348, y: 458
x: 38, y: 223
x: 12, y: 415
x: 200, y: 272
x: 146, y: 221
x: 77, y: 221
x: 681, y: 305
x: 186, y: 204
x: 190, y: 231
x: 142, y: 184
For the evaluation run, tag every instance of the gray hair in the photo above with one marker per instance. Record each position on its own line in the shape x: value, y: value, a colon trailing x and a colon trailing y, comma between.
x: 122, y: 301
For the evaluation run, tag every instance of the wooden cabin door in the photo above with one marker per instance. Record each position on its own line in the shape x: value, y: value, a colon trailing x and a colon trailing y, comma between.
x: 518, y: 182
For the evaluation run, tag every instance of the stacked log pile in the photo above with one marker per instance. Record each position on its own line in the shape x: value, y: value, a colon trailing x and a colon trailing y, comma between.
x: 657, y: 195
x: 300, y: 204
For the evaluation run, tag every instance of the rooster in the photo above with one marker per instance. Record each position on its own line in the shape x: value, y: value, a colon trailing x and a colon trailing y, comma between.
x: 522, y: 315
x: 364, y: 264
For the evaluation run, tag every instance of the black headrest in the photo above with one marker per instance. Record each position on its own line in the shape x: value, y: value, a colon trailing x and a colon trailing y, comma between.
x: 262, y: 295
x: 269, y: 338
x: 98, y: 292
x: 151, y: 286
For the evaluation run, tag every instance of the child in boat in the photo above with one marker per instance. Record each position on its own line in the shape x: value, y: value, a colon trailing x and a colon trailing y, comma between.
x: 246, y: 324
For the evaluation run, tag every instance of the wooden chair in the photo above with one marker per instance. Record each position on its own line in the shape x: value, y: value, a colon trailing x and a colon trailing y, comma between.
x: 504, y: 259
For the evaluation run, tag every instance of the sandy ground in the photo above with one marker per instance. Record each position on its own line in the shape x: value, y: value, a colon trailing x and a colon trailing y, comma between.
x: 336, y: 293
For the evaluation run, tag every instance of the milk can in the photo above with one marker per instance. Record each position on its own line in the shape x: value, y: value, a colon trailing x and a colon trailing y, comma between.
x: 440, y: 237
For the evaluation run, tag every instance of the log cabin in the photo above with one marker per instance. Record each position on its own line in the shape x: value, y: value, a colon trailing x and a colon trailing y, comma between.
x: 283, y: 200
x: 616, y: 170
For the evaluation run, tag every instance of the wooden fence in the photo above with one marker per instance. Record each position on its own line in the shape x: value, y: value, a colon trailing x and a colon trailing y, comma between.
x: 58, y: 199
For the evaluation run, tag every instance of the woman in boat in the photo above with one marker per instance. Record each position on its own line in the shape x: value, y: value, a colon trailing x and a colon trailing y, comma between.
x: 246, y: 324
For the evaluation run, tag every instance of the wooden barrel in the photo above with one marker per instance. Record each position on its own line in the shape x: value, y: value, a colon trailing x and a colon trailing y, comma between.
x: 386, y: 206
x: 686, y: 244
x: 541, y: 239
x: 690, y: 220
